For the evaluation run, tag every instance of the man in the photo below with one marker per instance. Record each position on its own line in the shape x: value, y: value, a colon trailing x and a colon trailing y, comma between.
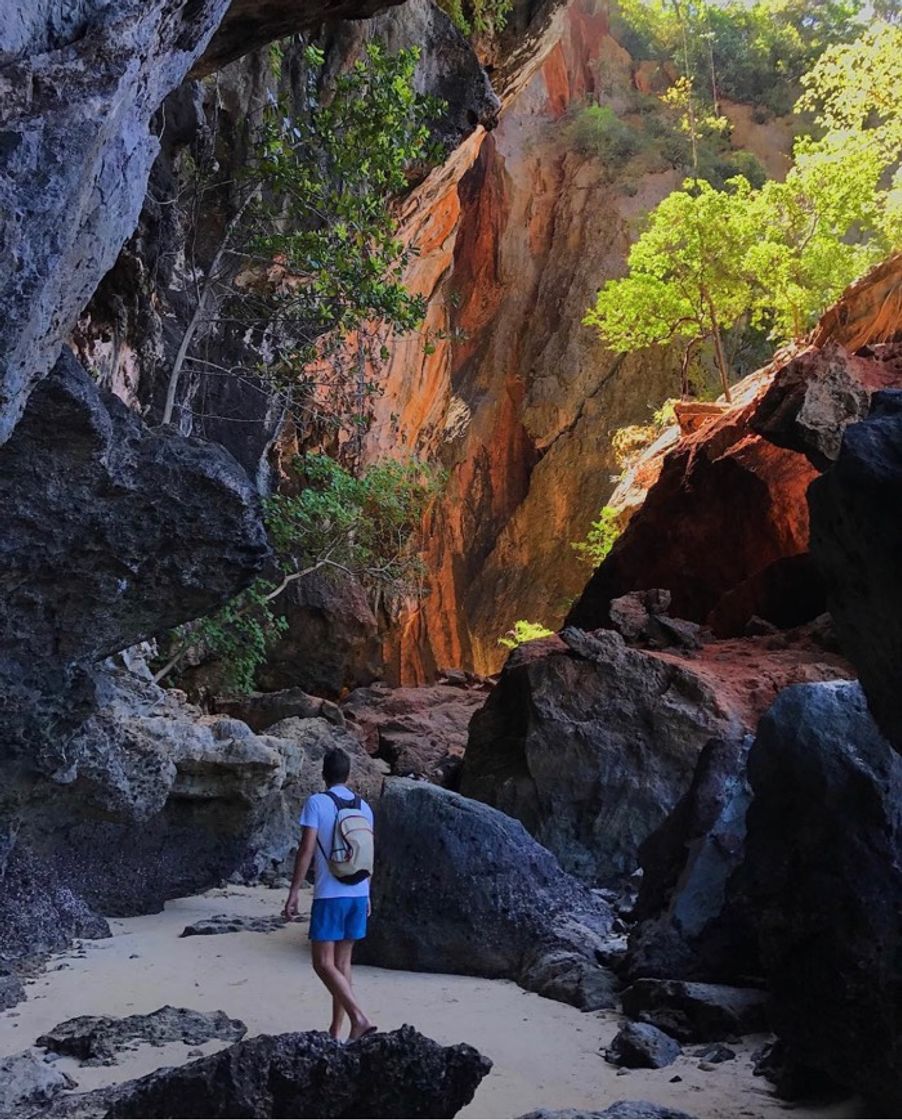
x: 340, y: 910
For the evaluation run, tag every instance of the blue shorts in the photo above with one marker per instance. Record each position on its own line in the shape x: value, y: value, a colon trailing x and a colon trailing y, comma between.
x: 338, y: 919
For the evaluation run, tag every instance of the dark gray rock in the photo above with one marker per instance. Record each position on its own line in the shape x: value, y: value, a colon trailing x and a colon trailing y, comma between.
x: 642, y: 1046
x: 687, y: 927
x: 235, y: 923
x: 156, y: 801
x: 697, y: 1012
x: 460, y: 887
x: 384, y: 1075
x: 113, y: 533
x: 96, y: 1039
x: 590, y: 744
x: 856, y: 540
x: 260, y: 710
x: 28, y: 1084
x: 40, y: 913
x: 11, y: 990
x: 78, y: 94
x: 332, y: 642
x: 619, y: 1110
x: 823, y: 874
x: 715, y: 1054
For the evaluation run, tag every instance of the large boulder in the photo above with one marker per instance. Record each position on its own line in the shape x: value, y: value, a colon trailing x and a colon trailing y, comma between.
x: 686, y: 927
x: 856, y: 539
x: 150, y: 800
x: 823, y: 875
x: 112, y: 533
x: 697, y: 1012
x: 384, y: 1075
x: 419, y: 732
x: 331, y: 643
x: 591, y: 743
x: 460, y: 887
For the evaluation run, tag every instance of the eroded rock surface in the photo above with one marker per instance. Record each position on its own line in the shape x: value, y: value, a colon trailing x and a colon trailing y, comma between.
x: 419, y: 732
x: 823, y: 873
x: 385, y: 1075
x: 79, y: 90
x: 113, y: 533
x: 96, y: 1039
x: 686, y: 926
x: 856, y: 538
x: 463, y: 888
x: 155, y: 800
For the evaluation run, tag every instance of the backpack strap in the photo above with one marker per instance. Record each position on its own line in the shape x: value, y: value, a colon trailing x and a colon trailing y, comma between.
x: 339, y: 804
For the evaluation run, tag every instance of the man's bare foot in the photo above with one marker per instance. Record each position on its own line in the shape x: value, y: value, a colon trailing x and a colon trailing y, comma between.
x: 358, y: 1030
x: 335, y: 1034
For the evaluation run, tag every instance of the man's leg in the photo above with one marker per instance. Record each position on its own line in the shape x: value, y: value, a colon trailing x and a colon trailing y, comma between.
x: 343, y: 952
x: 326, y: 967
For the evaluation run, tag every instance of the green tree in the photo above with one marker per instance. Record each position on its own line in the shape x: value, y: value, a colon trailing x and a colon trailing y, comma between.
x: 686, y: 277
x: 774, y: 257
x: 356, y: 527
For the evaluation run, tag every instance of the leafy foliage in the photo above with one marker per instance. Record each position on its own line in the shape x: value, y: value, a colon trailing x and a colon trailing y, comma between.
x: 484, y: 17
x: 596, y: 130
x: 686, y: 273
x: 600, y: 539
x: 358, y: 527
x: 522, y: 632
x: 751, y: 52
x: 774, y: 257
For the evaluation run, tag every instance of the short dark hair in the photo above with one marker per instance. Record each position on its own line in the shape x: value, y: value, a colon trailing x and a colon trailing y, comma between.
x: 336, y: 766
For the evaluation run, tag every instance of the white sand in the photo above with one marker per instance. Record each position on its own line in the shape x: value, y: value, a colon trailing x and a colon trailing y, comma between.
x: 545, y: 1054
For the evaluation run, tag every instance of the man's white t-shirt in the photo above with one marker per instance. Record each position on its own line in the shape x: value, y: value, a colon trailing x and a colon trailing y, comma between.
x: 320, y: 813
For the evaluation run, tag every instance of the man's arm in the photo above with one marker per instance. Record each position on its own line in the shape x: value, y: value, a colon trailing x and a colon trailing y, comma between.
x: 302, y: 860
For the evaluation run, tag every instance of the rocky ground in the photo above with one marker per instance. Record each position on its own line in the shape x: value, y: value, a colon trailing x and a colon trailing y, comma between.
x: 545, y: 1054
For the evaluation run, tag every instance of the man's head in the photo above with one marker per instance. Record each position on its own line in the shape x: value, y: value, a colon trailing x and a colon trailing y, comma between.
x: 336, y: 767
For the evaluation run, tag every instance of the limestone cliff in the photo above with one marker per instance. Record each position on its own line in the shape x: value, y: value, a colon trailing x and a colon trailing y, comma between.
x: 517, y: 399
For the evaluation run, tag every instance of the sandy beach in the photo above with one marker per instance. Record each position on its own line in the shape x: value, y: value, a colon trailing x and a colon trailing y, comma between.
x: 545, y: 1054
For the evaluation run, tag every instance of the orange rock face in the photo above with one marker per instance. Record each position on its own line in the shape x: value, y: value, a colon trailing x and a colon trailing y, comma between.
x: 515, y: 396
x: 724, y: 524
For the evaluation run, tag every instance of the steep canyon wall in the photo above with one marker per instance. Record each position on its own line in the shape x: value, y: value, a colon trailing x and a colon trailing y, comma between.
x: 515, y: 397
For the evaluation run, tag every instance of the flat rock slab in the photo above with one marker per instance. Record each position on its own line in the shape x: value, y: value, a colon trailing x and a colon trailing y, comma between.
x: 95, y: 1039
x: 28, y: 1083
x: 642, y: 1046
x: 232, y: 923
x: 697, y: 1012
x: 619, y: 1110
x: 384, y: 1075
